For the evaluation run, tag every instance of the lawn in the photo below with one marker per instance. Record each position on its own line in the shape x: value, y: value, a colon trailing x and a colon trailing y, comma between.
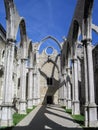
x: 78, y: 118
x: 18, y: 117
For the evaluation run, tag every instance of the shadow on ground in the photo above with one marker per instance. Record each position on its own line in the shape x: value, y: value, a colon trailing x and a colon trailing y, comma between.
x: 42, y: 122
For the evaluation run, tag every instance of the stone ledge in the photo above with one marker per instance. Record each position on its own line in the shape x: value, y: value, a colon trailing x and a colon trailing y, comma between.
x: 22, y: 101
x: 6, y: 105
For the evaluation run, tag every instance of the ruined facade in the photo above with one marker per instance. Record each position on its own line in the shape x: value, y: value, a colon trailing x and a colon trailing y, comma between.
x: 67, y: 77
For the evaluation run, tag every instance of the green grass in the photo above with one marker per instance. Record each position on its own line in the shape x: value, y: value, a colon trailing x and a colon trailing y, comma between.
x: 68, y: 111
x: 6, y: 128
x: 18, y: 117
x: 64, y: 107
x: 79, y: 119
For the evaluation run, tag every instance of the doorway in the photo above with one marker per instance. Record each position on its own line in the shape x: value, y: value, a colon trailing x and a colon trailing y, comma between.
x: 49, y: 100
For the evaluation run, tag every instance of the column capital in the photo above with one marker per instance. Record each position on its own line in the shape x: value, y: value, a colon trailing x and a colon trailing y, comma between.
x: 68, y: 68
x: 34, y: 73
x: 23, y: 59
x: 64, y: 73
x: 30, y: 68
x: 74, y: 60
x: 22, y: 101
x: 11, y: 41
x: 86, y: 41
x: 6, y: 105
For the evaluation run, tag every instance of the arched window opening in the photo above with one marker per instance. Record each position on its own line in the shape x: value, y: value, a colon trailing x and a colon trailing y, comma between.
x: 49, y: 42
x: 3, y: 56
x: 79, y: 46
x: 94, y: 38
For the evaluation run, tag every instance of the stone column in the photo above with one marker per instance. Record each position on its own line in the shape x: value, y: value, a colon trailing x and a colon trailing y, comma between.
x: 59, y: 92
x: 38, y: 88
x: 75, y: 102
x: 30, y: 88
x: 72, y: 87
x: 38, y: 85
x: 91, y: 108
x: 35, y: 88
x: 68, y: 83
x: 22, y: 105
x: 64, y: 89
x: 61, y: 89
x: 86, y: 84
x: 61, y: 80
x: 6, y: 114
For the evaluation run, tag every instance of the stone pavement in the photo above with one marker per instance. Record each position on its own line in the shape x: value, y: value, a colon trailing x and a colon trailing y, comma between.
x: 49, y: 117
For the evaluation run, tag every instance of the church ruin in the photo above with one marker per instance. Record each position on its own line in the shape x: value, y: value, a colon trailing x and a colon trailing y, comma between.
x: 67, y: 77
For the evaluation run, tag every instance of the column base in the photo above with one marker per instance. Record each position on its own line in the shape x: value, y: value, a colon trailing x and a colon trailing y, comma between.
x: 92, y: 111
x: 22, y: 107
x: 75, y: 108
x: 86, y: 115
x: 36, y: 101
x: 62, y: 101
x: 68, y: 104
x: 30, y: 103
x: 6, y: 116
x: 0, y: 101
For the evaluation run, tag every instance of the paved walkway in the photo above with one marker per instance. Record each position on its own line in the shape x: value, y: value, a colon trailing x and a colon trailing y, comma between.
x: 50, y: 117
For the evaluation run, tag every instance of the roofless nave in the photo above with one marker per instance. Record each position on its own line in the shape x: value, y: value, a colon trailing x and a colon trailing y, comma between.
x: 68, y: 77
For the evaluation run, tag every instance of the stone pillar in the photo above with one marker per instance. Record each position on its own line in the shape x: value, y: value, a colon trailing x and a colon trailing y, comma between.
x: 90, y: 107
x: 35, y: 88
x: 59, y: 92
x: 68, y: 83
x: 61, y: 80
x: 30, y: 88
x: 86, y: 84
x: 64, y: 89
x: 72, y: 88
x: 22, y: 105
x: 36, y: 94
x: 38, y: 85
x: 61, y: 89
x: 38, y: 88
x: 6, y: 114
x: 75, y: 102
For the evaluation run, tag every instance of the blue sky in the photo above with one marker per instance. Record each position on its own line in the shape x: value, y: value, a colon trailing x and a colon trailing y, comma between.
x: 47, y: 17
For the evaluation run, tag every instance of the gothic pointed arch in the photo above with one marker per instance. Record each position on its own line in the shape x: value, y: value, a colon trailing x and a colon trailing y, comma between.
x: 75, y: 33
x: 30, y: 47
x: 52, y: 38
x: 75, y: 30
x: 50, y: 60
x: 68, y: 54
x: 88, y: 8
x: 95, y: 28
x: 22, y: 27
x: 13, y: 19
x: 30, y: 53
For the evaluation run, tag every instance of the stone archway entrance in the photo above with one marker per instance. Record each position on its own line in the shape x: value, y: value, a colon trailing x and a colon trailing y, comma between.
x: 49, y: 99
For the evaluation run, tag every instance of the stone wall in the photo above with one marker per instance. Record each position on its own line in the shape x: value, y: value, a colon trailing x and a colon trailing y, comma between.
x: 48, y: 70
x: 2, y: 56
x: 95, y: 61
